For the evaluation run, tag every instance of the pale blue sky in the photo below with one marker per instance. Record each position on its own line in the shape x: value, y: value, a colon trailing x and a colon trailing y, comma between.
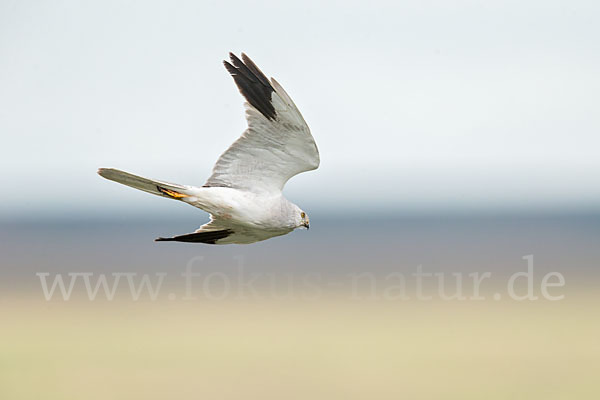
x: 413, y: 104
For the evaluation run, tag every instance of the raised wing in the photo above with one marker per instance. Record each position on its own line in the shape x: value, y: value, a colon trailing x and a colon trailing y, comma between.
x: 277, y: 144
x: 222, y: 231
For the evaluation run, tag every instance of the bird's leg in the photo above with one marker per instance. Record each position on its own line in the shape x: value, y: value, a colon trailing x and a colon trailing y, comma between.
x: 171, y: 193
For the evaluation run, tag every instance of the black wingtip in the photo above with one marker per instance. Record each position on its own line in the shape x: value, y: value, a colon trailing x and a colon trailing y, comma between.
x: 252, y: 83
x: 230, y: 68
x: 208, y: 237
x: 234, y: 59
x: 255, y: 70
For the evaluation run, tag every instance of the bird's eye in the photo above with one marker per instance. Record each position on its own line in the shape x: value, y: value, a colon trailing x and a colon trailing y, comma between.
x: 303, y: 215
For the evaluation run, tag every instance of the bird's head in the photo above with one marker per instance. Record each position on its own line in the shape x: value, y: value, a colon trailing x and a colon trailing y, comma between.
x: 301, y: 219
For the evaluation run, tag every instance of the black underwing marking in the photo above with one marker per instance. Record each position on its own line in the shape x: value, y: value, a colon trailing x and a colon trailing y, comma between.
x: 252, y: 83
x: 209, y: 237
x: 171, y: 193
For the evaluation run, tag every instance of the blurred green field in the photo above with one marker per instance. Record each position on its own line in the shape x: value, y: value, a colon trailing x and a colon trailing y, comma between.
x: 332, y: 348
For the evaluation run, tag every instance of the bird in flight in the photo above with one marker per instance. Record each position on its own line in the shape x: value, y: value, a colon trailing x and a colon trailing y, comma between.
x: 243, y: 194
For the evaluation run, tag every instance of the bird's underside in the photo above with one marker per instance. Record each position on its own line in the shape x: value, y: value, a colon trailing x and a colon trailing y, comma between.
x: 243, y: 194
x: 233, y: 234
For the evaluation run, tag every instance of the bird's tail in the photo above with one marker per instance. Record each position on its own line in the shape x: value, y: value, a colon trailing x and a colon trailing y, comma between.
x: 159, y: 188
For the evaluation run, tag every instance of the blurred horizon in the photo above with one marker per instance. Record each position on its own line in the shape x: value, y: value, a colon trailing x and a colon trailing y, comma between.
x: 334, y: 245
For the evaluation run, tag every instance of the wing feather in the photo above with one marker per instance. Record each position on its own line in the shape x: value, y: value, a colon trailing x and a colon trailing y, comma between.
x: 277, y: 144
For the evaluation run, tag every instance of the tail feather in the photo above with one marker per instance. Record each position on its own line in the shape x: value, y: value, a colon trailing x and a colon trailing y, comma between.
x: 159, y: 188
